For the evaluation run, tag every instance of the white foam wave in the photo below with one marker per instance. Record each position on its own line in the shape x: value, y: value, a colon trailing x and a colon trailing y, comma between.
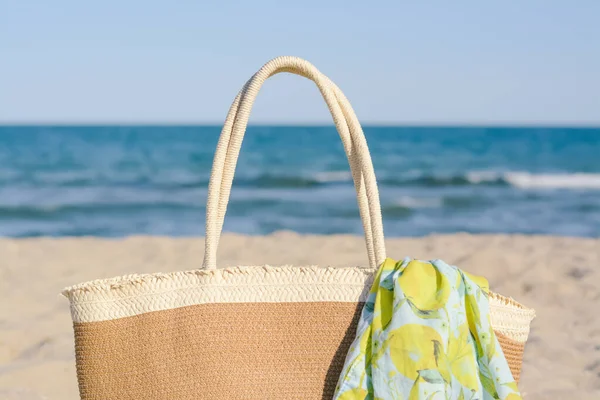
x: 526, y: 180
x: 418, y: 202
x: 333, y: 176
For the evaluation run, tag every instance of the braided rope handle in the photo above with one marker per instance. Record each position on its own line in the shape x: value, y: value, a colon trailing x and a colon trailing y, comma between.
x: 349, y: 129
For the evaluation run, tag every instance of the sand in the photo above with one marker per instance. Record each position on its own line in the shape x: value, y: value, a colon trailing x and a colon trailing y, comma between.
x: 559, y: 277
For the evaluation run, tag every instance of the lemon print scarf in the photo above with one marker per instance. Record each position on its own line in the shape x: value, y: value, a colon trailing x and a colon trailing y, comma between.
x: 425, y: 333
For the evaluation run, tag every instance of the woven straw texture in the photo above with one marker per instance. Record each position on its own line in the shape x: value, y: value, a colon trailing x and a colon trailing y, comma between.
x: 255, y: 350
x: 513, y: 352
x: 244, y: 332
x: 218, y: 351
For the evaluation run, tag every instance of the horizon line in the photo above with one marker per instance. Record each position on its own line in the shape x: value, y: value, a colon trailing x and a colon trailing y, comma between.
x: 580, y: 125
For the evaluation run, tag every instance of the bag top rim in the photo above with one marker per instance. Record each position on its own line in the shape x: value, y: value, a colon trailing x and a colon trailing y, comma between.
x: 135, y: 294
x: 221, y: 275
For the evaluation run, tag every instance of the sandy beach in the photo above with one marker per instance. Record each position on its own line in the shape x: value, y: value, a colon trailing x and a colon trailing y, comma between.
x: 559, y: 277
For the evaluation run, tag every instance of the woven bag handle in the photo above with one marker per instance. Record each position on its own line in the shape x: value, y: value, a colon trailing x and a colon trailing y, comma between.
x: 355, y: 146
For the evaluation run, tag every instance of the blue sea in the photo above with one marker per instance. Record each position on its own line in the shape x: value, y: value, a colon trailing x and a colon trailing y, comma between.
x: 116, y: 181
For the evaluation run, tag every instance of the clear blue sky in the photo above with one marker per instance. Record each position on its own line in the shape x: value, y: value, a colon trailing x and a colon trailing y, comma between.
x: 424, y: 62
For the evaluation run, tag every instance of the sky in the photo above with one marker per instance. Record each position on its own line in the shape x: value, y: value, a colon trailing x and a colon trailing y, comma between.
x: 509, y: 62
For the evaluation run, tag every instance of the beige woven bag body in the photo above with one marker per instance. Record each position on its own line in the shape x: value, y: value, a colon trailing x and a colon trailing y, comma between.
x: 244, y: 332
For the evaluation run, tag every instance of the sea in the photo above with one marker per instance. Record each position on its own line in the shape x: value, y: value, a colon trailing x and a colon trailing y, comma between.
x: 115, y: 181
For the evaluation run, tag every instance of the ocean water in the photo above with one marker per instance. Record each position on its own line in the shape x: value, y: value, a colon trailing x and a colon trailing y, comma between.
x: 118, y: 181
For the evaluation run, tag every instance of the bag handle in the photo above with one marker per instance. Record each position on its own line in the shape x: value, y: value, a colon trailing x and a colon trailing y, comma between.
x: 353, y: 139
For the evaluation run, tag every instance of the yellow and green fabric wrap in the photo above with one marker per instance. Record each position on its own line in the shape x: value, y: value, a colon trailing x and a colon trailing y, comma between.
x: 425, y: 333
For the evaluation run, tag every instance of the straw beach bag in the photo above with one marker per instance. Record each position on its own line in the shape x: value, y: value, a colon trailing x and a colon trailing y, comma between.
x: 244, y: 332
